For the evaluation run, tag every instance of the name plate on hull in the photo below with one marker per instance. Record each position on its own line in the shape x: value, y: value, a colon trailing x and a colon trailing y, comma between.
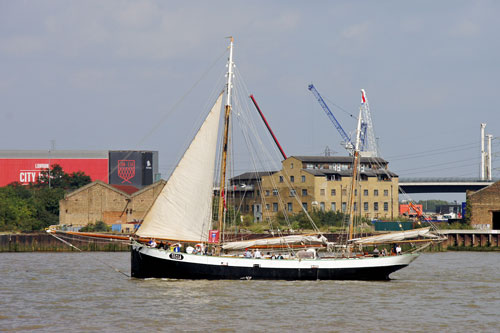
x: 176, y: 256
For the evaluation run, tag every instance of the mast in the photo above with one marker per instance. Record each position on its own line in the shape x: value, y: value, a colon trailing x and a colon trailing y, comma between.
x: 225, y: 142
x: 355, y: 164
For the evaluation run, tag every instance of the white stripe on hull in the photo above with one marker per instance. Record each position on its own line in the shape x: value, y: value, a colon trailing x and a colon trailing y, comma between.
x: 326, y: 263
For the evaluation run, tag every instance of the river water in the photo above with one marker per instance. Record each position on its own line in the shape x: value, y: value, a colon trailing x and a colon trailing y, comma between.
x: 78, y: 292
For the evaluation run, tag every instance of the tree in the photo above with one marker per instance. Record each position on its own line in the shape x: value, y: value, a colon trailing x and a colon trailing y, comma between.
x: 60, y: 179
x: 36, y: 206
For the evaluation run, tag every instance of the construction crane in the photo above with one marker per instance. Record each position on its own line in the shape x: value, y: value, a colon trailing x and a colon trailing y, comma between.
x: 347, y: 143
x: 368, y: 145
x: 368, y: 142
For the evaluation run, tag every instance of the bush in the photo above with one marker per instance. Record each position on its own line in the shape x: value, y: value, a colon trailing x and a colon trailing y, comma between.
x: 99, y: 226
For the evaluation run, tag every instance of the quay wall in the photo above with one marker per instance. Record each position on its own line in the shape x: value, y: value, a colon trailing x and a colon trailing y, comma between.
x: 42, y: 242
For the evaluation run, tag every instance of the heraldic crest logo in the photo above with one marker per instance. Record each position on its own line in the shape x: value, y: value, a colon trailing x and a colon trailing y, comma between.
x: 126, y: 170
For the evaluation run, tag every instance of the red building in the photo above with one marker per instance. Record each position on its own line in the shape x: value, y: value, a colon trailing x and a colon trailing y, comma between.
x: 25, y: 166
x: 405, y: 209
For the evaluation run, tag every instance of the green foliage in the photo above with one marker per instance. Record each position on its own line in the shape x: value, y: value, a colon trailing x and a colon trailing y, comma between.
x: 468, y: 211
x: 36, y: 206
x: 61, y: 179
x: 322, y: 219
x: 430, y: 205
x: 99, y: 226
x: 456, y: 226
x: 232, y: 217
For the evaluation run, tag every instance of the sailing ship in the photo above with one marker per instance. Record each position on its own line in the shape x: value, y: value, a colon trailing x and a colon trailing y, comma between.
x: 183, y: 213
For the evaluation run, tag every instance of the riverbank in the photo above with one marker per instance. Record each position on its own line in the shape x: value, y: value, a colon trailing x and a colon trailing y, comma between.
x: 44, y: 242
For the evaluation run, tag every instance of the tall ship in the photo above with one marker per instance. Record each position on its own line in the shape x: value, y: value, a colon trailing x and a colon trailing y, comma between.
x: 184, y: 233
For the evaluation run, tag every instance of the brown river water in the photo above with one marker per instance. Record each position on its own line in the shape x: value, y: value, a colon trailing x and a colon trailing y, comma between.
x: 76, y: 292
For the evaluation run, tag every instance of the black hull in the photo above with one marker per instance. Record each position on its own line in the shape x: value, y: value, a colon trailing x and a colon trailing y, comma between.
x: 144, y: 266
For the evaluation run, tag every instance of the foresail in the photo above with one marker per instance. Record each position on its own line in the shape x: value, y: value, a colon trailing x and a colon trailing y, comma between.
x: 183, y: 209
x: 397, y: 236
x: 286, y: 240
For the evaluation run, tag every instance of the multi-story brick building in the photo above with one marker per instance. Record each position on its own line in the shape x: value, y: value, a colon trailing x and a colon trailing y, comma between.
x: 324, y: 182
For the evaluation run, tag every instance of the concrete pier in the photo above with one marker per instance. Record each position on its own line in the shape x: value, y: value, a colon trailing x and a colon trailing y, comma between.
x: 471, y: 238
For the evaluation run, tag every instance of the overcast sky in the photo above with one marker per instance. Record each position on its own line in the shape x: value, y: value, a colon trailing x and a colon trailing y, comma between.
x: 105, y: 75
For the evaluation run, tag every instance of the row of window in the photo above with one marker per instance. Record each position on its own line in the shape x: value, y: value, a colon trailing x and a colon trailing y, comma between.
x: 333, y: 192
x: 335, y: 178
x: 333, y: 206
x: 292, y: 179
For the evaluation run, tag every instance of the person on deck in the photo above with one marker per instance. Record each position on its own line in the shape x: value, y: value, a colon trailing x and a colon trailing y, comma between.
x: 248, y: 254
x: 257, y: 254
x: 398, y: 250
x: 152, y: 243
x: 376, y: 252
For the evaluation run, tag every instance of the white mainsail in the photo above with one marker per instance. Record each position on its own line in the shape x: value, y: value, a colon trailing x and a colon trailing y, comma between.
x: 285, y: 240
x: 397, y: 236
x: 183, y: 209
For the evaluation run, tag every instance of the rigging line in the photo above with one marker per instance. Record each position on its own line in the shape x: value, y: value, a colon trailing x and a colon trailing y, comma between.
x: 252, y: 149
x: 433, y: 150
x: 415, y: 156
x: 438, y: 164
x: 101, y: 261
x: 174, y: 107
x: 181, y: 99
x: 339, y: 107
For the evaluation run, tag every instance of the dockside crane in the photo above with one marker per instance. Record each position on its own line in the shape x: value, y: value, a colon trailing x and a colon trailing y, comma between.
x: 368, y: 145
x: 347, y: 143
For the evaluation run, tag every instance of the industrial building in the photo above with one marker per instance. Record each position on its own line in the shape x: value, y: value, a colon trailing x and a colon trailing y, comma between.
x: 320, y: 182
x: 124, y: 167
x: 112, y: 204
x: 484, y: 206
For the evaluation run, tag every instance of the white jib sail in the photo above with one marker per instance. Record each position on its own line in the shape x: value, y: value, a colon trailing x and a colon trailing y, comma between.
x: 183, y: 209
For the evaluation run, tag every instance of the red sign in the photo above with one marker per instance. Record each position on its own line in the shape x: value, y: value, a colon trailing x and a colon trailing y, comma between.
x: 27, y: 170
x: 213, y: 236
x: 126, y: 170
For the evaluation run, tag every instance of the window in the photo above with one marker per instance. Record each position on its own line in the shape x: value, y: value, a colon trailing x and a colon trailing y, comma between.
x: 386, y: 206
x: 355, y: 207
x: 289, y: 206
x: 275, y: 192
x: 292, y: 179
x: 304, y: 192
x: 258, y: 193
x: 334, y: 206
x: 267, y: 193
x: 267, y: 206
x: 322, y: 206
x: 304, y: 204
x: 247, y: 208
x: 291, y: 165
x: 293, y: 193
x: 275, y: 206
x: 344, y: 192
x: 365, y: 206
x: 375, y: 206
x: 356, y: 192
x: 386, y: 193
x: 322, y: 191
x: 365, y: 193
x: 333, y: 192
x: 281, y: 179
x: 303, y: 179
x: 344, y: 206
x: 375, y: 193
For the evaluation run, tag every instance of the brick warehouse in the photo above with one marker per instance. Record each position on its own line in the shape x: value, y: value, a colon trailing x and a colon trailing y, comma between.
x: 484, y: 207
x: 99, y: 201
